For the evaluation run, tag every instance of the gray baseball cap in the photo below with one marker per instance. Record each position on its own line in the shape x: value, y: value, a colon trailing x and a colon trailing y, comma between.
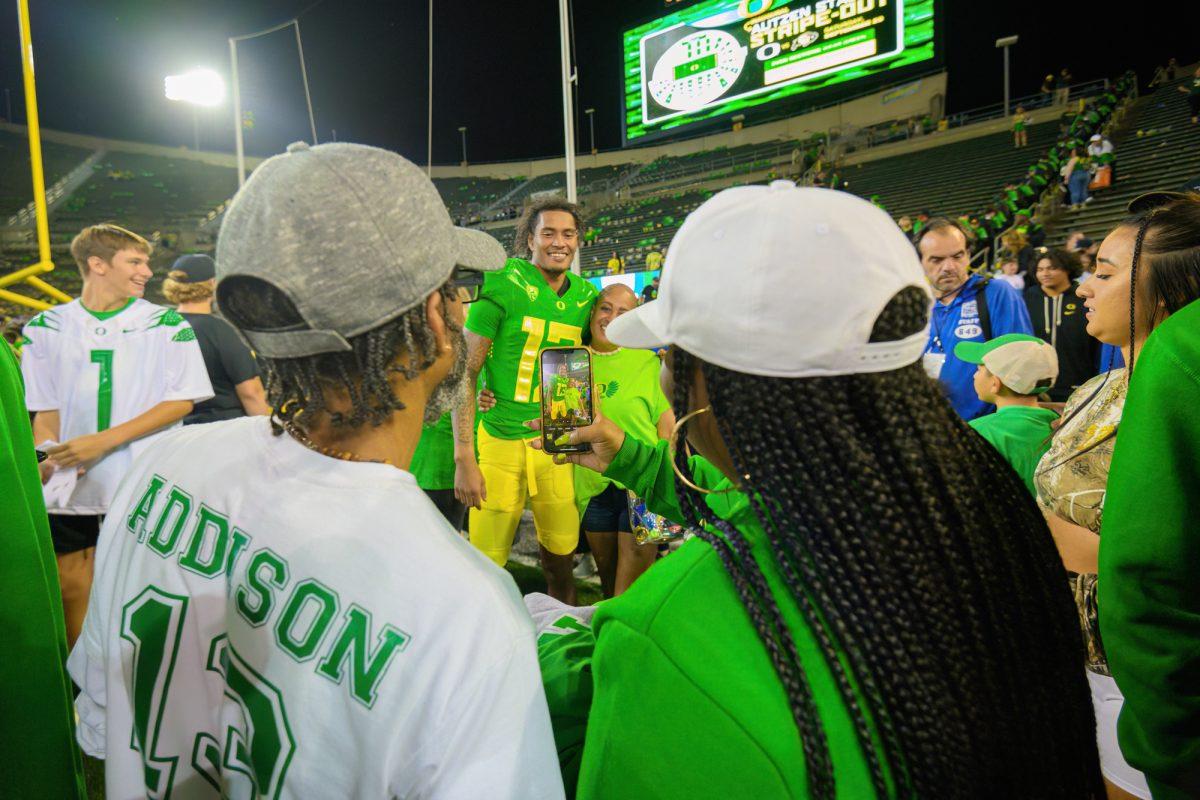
x: 353, y: 235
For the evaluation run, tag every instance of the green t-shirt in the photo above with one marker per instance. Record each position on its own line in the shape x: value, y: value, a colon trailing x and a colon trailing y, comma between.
x: 629, y: 393
x: 433, y: 462
x: 519, y: 312
x: 38, y: 756
x: 1021, y: 434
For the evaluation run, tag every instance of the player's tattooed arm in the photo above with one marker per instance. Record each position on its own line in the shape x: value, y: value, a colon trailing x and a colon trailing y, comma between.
x: 464, y: 415
x: 469, y: 486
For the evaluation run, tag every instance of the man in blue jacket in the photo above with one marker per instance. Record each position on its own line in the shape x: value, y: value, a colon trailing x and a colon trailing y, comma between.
x: 969, y: 308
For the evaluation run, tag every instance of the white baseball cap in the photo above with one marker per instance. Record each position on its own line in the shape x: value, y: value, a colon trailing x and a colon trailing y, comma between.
x: 1023, y: 363
x: 784, y: 282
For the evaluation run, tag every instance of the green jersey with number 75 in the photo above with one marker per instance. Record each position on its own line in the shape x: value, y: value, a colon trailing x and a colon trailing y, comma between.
x: 521, y: 314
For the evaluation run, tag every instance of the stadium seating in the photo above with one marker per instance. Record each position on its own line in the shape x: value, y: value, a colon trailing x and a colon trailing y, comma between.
x: 632, y: 228
x: 156, y: 194
x: 467, y: 196
x: 587, y: 181
x: 953, y: 179
x: 16, y: 187
x: 1157, y: 148
x: 721, y: 160
x: 147, y: 193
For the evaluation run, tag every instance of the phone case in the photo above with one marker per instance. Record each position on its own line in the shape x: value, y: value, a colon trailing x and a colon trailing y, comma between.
x: 585, y: 391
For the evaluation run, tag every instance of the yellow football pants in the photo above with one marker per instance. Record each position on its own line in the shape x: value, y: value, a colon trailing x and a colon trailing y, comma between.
x: 514, y: 472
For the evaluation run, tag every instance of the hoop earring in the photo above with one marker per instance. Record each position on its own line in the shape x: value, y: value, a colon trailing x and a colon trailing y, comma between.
x: 674, y: 443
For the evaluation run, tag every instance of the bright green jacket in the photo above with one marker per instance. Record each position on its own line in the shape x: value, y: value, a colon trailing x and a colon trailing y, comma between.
x: 1149, y: 585
x: 686, y: 703
x: 38, y: 756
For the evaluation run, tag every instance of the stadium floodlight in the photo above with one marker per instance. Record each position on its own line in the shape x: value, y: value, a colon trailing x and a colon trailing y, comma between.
x: 1005, y: 43
x: 200, y: 87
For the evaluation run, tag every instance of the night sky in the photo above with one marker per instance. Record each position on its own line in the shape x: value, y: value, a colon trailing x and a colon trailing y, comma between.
x: 496, y: 66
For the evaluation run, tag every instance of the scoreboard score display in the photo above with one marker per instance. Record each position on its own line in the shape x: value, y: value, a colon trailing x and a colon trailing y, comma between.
x: 722, y: 56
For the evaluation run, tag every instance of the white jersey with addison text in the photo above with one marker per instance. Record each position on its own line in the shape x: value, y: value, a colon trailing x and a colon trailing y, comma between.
x: 266, y: 621
x: 101, y: 371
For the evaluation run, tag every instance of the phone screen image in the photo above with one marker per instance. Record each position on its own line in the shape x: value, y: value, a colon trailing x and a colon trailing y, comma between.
x: 566, y: 395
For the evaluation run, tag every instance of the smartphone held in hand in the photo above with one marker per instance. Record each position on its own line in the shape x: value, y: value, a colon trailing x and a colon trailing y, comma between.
x: 566, y: 396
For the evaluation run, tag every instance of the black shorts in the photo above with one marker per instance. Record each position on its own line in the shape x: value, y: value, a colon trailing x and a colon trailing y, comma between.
x: 72, y: 533
x: 454, y: 511
x: 608, y: 511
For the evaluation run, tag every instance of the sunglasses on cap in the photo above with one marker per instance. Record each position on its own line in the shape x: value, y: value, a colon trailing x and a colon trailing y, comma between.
x: 467, y: 283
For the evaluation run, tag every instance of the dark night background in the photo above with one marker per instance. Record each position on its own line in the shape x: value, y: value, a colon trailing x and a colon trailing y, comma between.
x: 496, y: 66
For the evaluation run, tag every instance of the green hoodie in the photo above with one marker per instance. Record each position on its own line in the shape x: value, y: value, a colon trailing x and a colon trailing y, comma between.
x: 38, y: 757
x: 685, y: 702
x: 1150, y: 560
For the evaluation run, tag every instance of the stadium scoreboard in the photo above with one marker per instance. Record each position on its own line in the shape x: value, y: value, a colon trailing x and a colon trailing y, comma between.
x: 718, y: 57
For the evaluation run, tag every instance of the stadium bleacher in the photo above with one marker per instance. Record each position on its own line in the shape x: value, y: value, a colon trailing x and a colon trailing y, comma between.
x: 1156, y: 148
x: 720, y: 160
x: 467, y: 196
x: 16, y: 189
x: 147, y: 193
x: 952, y: 179
x: 632, y: 228
x: 163, y: 196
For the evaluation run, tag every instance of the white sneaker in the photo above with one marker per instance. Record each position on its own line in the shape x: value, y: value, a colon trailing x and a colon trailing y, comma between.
x: 586, y: 567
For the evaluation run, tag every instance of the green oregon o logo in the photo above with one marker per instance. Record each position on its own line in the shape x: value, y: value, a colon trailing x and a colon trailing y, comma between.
x: 560, y: 305
x: 744, y: 7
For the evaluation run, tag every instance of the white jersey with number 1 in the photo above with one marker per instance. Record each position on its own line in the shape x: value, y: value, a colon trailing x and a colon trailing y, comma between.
x: 101, y: 370
x: 266, y: 621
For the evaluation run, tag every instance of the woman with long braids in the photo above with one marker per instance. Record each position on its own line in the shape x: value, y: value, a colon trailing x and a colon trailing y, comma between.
x: 873, y: 606
x: 1144, y: 273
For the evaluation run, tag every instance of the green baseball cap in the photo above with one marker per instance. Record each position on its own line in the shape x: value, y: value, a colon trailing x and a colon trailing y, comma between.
x: 1023, y: 363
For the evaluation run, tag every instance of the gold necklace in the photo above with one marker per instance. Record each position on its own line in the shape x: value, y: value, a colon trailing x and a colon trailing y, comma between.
x: 341, y: 455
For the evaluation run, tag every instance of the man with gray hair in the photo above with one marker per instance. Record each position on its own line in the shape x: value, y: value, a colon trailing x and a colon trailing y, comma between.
x: 279, y: 609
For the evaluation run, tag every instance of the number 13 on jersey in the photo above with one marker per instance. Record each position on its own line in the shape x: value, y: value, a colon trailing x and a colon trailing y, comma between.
x: 538, y: 331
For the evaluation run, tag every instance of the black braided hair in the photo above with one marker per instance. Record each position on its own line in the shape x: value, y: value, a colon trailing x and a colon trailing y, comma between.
x: 1168, y: 237
x: 296, y: 387
x: 1133, y: 272
x: 912, y: 551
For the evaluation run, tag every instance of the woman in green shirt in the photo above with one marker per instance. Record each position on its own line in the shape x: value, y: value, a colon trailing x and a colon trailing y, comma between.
x: 627, y: 385
x: 873, y: 606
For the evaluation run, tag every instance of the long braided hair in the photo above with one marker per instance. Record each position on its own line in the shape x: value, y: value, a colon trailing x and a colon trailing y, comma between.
x: 914, y: 552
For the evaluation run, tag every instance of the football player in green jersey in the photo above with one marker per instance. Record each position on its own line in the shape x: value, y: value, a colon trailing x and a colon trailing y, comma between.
x: 558, y: 393
x: 528, y: 305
